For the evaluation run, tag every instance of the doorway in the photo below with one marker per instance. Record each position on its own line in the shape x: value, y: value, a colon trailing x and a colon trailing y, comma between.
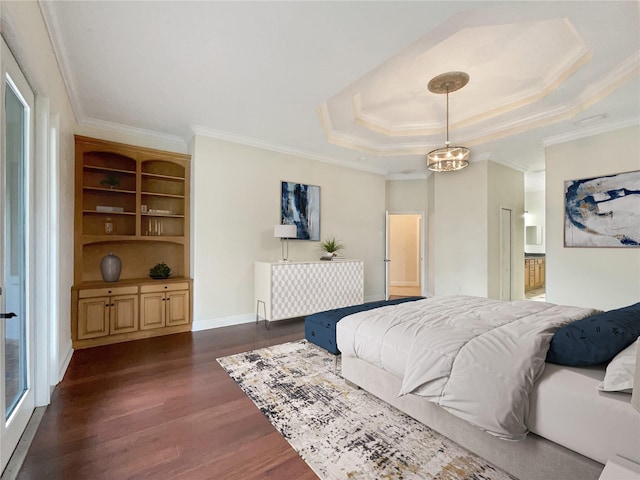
x: 404, y: 255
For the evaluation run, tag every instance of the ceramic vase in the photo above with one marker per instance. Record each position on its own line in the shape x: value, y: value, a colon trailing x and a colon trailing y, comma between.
x: 110, y: 267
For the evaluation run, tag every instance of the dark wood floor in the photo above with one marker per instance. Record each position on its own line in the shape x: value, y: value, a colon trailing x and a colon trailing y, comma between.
x: 163, y: 408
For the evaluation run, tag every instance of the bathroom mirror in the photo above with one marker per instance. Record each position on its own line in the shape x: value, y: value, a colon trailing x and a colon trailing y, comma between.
x: 533, y: 234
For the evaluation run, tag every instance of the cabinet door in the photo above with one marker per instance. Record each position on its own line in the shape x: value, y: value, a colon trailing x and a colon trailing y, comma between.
x: 152, y: 310
x: 335, y: 285
x: 349, y: 284
x: 124, y: 314
x: 322, y: 282
x: 177, y: 308
x: 93, y: 317
x: 289, y: 287
x: 536, y: 278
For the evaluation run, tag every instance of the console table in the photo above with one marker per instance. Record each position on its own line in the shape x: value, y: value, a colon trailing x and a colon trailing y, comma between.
x: 296, y: 289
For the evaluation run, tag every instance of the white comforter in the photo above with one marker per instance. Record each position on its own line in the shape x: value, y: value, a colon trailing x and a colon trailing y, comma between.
x: 478, y: 358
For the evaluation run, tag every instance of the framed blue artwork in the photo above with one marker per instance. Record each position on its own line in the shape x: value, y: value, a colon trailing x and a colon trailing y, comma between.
x: 603, y: 211
x: 300, y: 206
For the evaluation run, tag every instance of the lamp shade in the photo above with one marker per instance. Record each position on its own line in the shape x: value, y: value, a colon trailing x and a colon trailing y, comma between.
x: 285, y: 231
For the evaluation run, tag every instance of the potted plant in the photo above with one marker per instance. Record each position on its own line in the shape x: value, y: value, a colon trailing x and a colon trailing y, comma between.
x: 331, y: 246
x: 110, y: 181
x: 160, y: 270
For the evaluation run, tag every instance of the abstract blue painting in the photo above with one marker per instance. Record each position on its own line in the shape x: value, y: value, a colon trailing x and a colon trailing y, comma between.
x: 300, y: 206
x: 603, y: 211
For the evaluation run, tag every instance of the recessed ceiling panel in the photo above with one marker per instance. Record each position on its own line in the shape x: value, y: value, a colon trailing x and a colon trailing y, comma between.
x: 525, y: 73
x: 509, y: 65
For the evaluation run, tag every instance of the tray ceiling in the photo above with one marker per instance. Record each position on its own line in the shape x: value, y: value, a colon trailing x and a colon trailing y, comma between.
x: 345, y: 82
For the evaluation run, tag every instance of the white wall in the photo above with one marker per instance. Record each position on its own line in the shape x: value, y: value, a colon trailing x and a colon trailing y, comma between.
x: 460, y: 236
x: 235, y: 205
x: 27, y: 37
x: 464, y: 229
x: 505, y: 188
x: 603, y: 278
x: 534, y: 205
x: 406, y: 196
x: 431, y: 237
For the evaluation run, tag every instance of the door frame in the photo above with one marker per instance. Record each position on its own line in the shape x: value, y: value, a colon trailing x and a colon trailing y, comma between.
x: 421, y: 260
x: 42, y: 206
x: 11, y: 428
x: 506, y: 208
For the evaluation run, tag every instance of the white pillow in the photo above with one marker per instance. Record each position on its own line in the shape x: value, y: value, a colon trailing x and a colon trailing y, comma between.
x: 620, y: 371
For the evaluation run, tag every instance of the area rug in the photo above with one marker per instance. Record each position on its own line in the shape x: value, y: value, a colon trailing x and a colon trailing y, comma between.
x: 343, y: 432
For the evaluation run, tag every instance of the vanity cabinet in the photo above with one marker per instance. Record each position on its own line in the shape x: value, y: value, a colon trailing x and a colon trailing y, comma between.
x: 534, y: 273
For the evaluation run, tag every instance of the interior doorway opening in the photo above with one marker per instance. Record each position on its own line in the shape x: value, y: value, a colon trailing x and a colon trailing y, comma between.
x: 404, y: 255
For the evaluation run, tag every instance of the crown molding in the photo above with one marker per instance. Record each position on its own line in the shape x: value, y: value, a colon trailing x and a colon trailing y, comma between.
x: 353, y: 142
x: 376, y: 124
x: 513, y: 165
x: 617, y: 76
x: 409, y: 176
x: 69, y: 79
x: 590, y: 131
x: 173, y: 142
x: 254, y: 142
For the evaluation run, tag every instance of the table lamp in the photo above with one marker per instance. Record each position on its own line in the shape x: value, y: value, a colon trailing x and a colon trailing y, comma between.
x: 284, y: 233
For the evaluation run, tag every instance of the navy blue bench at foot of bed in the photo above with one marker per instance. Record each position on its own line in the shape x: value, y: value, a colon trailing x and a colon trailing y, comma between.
x: 320, y: 328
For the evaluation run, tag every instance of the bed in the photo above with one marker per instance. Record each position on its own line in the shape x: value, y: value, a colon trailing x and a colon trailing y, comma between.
x: 320, y: 328
x: 429, y: 359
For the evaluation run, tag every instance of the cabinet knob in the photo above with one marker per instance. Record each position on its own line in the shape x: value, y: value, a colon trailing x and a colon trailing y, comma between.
x: 109, y: 291
x: 165, y: 286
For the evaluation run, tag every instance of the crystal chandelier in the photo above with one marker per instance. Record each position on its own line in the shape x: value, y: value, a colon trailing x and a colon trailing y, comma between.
x: 448, y: 158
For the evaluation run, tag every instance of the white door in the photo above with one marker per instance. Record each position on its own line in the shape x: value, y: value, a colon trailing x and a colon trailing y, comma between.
x: 16, y: 327
x: 505, y: 254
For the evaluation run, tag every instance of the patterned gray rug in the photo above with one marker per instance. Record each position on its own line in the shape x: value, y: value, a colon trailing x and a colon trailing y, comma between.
x: 343, y: 432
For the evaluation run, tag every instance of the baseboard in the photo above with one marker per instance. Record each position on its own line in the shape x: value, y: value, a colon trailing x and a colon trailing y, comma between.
x: 209, y: 323
x: 373, y: 298
x: 395, y: 283
x: 64, y: 366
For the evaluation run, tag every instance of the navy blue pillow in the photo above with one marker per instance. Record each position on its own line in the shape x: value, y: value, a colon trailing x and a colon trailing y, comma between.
x: 595, y: 339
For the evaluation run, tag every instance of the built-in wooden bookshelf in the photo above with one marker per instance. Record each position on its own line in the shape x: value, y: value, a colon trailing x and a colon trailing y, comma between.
x: 133, y: 202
